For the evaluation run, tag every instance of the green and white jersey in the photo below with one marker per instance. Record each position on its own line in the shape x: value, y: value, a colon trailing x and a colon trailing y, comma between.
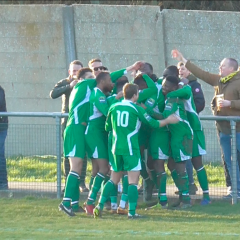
x: 148, y: 96
x: 176, y: 105
x: 185, y: 93
x: 124, y: 119
x: 79, y: 102
x: 98, y: 109
x: 158, y: 108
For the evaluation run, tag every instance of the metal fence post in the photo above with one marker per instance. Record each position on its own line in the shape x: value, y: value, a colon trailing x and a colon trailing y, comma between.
x: 58, y: 153
x: 234, y: 162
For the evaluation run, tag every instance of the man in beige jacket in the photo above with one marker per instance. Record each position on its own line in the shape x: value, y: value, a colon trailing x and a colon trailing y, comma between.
x: 225, y: 103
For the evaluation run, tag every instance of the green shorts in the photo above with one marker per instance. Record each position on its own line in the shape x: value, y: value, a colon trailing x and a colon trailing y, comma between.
x: 126, y: 163
x: 181, y: 147
x: 159, y: 146
x: 199, y: 146
x: 96, y: 143
x: 74, y: 141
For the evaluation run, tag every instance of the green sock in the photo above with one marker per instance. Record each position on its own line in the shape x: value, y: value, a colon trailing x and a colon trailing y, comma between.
x: 175, y: 178
x: 71, y: 185
x: 75, y: 198
x: 184, y: 187
x: 154, y: 177
x: 95, y: 188
x: 108, y: 188
x: 91, y: 182
x: 202, y: 178
x: 132, y: 198
x: 113, y: 197
x: 162, y: 181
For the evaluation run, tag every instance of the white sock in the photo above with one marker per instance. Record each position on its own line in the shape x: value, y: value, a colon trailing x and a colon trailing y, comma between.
x: 122, y: 204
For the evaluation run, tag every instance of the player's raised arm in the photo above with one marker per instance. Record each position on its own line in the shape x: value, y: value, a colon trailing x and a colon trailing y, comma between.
x: 119, y: 73
x: 149, y: 91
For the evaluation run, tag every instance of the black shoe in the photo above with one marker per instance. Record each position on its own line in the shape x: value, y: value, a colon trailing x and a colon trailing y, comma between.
x: 83, y: 188
x: 149, y: 191
x: 66, y: 210
x: 192, y: 189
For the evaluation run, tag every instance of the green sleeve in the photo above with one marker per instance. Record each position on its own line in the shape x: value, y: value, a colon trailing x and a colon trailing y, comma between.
x: 102, y: 104
x: 117, y: 74
x: 146, y: 118
x: 171, y: 107
x: 184, y: 93
x: 108, y: 124
x: 151, y: 102
x: 149, y: 91
x: 153, y: 113
x: 161, y: 101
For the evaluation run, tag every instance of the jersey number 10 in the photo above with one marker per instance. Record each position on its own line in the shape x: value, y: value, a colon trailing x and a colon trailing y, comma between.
x: 122, y: 118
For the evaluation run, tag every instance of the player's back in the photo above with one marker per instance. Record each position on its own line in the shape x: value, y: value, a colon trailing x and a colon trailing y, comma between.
x: 79, y: 102
x: 125, y: 124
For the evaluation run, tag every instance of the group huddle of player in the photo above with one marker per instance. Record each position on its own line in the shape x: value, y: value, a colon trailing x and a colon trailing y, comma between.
x: 114, y: 120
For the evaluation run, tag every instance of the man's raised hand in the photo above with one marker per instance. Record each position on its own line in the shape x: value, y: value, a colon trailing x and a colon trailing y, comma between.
x: 178, y: 55
x: 136, y: 66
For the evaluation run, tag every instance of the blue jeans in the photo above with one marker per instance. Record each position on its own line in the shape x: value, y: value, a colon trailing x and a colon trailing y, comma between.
x: 3, y: 166
x: 225, y: 142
